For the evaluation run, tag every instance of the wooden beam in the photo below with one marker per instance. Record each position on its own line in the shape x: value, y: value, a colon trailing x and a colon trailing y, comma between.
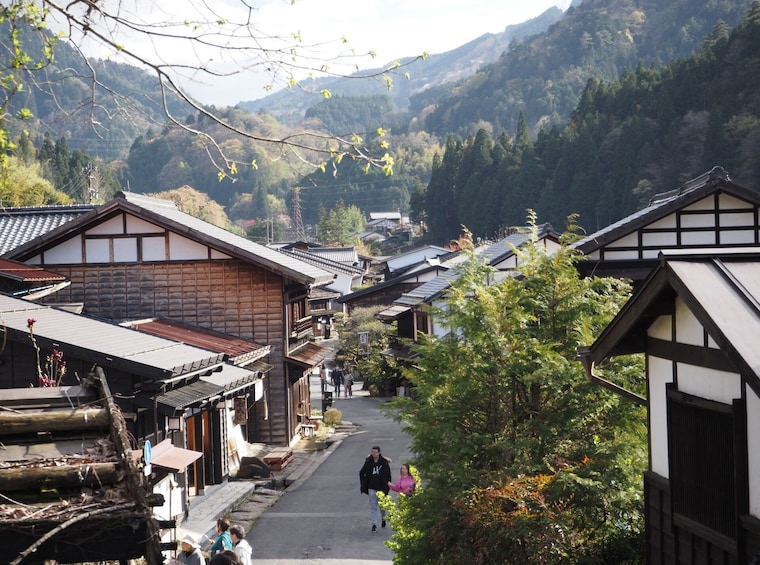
x: 86, y: 474
x: 59, y: 420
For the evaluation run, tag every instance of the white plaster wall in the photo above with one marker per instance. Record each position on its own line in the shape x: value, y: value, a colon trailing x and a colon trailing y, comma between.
x: 69, y: 251
x: 707, y: 203
x: 619, y: 255
x: 137, y: 225
x: 720, y: 386
x: 663, y: 223
x: 727, y: 201
x: 660, y: 373
x: 737, y: 219
x: 182, y: 248
x: 172, y: 498
x: 688, y: 329
x: 661, y: 328
x: 125, y: 250
x: 629, y: 240
x: 698, y: 221
x: 154, y: 248
x: 666, y: 239
x: 97, y: 250
x: 735, y: 237
x: 342, y: 283
x: 112, y: 226
x: 595, y: 255
x: 698, y: 238
x: 753, y: 451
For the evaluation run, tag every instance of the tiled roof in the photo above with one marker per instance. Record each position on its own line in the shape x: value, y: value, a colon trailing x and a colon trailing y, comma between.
x: 323, y: 262
x: 19, y: 225
x: 241, y: 351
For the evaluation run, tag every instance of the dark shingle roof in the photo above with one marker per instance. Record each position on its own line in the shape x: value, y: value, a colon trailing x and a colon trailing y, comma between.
x: 19, y: 225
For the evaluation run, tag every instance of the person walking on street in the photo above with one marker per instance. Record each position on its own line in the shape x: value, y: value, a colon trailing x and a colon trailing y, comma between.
x: 337, y: 379
x: 242, y: 547
x: 348, y: 383
x: 405, y: 483
x: 374, y: 477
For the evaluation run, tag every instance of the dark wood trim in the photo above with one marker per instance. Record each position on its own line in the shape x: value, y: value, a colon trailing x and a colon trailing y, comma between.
x: 708, y: 534
x: 690, y: 354
x: 686, y: 398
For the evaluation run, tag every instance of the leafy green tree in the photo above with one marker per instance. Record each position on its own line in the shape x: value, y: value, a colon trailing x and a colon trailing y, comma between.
x: 340, y: 225
x: 525, y: 459
x: 23, y: 185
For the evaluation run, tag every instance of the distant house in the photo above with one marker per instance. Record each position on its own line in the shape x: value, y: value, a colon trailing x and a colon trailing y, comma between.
x: 137, y: 258
x: 396, y: 265
x: 696, y: 319
x: 708, y: 212
x: 412, y: 311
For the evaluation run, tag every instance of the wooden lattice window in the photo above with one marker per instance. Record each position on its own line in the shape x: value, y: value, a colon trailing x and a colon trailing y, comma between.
x: 703, y: 462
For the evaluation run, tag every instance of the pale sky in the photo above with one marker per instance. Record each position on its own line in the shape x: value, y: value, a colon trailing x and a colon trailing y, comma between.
x: 391, y: 28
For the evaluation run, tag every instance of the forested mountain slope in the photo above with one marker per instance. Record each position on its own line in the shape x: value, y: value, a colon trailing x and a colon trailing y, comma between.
x: 435, y: 71
x: 627, y: 139
x: 544, y: 75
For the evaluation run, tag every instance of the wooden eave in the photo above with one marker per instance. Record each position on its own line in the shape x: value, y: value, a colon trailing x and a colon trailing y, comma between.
x: 727, y: 309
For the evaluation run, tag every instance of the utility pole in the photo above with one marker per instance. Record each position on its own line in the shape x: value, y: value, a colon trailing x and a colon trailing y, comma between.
x: 300, y: 232
x: 89, y: 173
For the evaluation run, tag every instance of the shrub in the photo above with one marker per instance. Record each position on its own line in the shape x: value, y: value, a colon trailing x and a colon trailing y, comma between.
x: 332, y: 417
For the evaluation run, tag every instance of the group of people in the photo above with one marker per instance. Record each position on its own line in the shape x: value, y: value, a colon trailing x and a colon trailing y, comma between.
x: 375, y: 477
x: 339, y: 379
x: 229, y: 548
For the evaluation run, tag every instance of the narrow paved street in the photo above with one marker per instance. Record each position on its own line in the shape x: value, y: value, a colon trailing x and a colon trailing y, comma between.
x: 325, y: 519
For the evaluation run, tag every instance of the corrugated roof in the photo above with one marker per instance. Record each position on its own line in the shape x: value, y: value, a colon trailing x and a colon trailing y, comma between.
x: 19, y: 225
x: 240, y: 351
x: 309, y: 354
x: 27, y: 273
x: 393, y: 312
x: 108, y: 345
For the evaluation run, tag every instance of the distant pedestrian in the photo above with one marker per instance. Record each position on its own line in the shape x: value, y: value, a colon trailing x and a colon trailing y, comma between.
x: 337, y: 379
x: 322, y: 377
x: 191, y: 552
x: 374, y: 477
x: 223, y: 540
x: 405, y: 483
x: 348, y: 383
x: 242, y: 547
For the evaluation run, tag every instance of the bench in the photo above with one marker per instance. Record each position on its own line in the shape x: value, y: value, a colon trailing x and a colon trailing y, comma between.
x: 278, y: 458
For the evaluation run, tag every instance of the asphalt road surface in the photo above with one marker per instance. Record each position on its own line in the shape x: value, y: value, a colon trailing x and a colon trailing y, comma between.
x: 325, y: 520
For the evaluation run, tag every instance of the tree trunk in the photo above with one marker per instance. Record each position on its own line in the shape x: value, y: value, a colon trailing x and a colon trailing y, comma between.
x: 86, y: 474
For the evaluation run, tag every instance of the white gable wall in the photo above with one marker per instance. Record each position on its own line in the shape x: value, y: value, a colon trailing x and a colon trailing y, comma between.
x: 753, y: 451
x: 659, y: 374
x: 96, y: 247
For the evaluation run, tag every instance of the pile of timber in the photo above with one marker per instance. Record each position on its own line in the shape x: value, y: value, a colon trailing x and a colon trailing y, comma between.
x: 278, y: 458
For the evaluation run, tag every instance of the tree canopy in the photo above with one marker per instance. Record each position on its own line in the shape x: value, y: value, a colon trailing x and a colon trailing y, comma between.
x: 524, y: 459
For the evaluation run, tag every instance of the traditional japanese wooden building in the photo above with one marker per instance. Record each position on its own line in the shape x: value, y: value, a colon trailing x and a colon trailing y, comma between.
x: 696, y: 319
x: 137, y: 257
x: 708, y: 212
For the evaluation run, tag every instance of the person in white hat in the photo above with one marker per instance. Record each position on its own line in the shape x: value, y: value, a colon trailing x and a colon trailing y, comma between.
x: 191, y: 552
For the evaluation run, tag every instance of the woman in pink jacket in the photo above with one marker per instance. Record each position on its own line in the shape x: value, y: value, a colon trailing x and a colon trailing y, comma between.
x: 405, y: 483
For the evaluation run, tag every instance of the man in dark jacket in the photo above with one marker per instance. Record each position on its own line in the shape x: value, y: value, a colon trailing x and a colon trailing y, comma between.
x: 374, y: 477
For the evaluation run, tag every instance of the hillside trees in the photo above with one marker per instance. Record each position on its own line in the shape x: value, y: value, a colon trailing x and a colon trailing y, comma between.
x: 524, y: 459
x: 648, y: 132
